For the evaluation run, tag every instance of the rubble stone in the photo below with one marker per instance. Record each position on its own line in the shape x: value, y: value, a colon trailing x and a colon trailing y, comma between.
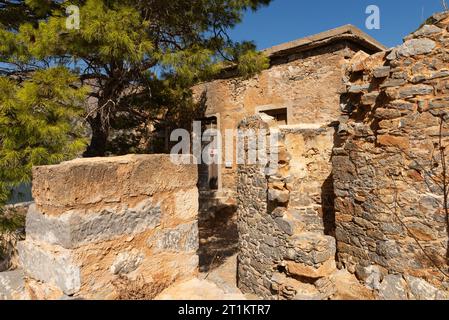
x: 415, y: 47
x: 12, y: 285
x: 393, y: 287
x: 380, y: 175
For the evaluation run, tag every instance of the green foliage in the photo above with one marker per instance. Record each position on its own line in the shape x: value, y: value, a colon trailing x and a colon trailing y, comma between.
x: 137, y: 55
x: 38, y: 124
x: 12, y: 226
x: 10, y: 222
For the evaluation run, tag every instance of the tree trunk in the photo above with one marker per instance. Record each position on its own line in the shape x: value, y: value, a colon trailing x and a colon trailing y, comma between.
x: 100, y: 134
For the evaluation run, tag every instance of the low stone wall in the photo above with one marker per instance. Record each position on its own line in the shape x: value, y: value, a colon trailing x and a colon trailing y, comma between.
x: 284, y: 253
x: 100, y: 225
x: 390, y: 177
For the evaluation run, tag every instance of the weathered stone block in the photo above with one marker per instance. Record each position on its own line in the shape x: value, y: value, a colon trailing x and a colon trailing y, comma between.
x: 382, y: 113
x: 420, y: 89
x: 281, y: 196
x: 392, y: 141
x: 50, y: 264
x: 421, y: 231
x: 393, y: 287
x: 76, y: 228
x: 382, y: 72
x: 285, y: 225
x: 303, y: 270
x: 440, y: 74
x: 393, y: 83
x: 439, y: 103
x: 358, y: 88
x: 358, y: 61
x: 186, y: 204
x: 127, y: 262
x: 371, y: 276
x: 421, y: 289
x: 314, y: 248
x: 183, y: 238
x: 104, y: 181
x: 12, y: 285
x: 427, y: 30
x: 415, y: 47
x: 370, y: 98
x: 82, y: 248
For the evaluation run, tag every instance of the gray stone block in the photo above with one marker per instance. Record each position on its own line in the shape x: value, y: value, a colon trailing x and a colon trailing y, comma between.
x: 393, y: 287
x: 285, y: 225
x: 358, y: 88
x: 393, y: 83
x: 382, y: 72
x: 12, y: 284
x: 76, y: 228
x: 421, y: 289
x: 371, y: 276
x: 127, y: 262
x: 420, y: 89
x: 53, y: 267
x: 183, y: 238
x: 415, y: 47
x: 427, y: 30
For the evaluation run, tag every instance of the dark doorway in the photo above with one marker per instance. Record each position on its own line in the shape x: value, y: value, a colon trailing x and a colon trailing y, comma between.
x: 208, y: 173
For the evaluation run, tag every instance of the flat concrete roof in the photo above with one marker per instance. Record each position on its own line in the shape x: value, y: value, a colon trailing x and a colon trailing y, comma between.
x: 347, y: 32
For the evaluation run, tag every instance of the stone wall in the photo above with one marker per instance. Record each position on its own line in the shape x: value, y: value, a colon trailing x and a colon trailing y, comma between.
x: 308, y: 84
x: 390, y: 178
x: 98, y: 225
x: 284, y: 252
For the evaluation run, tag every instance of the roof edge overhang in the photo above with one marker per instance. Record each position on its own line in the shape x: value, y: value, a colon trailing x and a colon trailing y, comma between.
x: 348, y: 33
x: 345, y: 33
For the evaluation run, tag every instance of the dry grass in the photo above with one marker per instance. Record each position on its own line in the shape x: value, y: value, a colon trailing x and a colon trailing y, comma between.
x: 139, y: 289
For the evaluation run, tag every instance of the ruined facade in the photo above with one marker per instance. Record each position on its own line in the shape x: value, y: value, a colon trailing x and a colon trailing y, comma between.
x: 383, y: 181
x: 301, y: 88
x: 355, y: 205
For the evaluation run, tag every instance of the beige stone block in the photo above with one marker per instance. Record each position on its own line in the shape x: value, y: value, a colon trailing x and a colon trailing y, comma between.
x: 391, y: 141
x: 196, y: 289
x: 357, y: 62
x: 100, y: 182
x: 303, y: 270
x: 186, y: 204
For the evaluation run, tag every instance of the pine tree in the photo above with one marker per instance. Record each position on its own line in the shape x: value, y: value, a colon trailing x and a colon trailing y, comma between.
x: 139, y: 57
x: 38, y: 123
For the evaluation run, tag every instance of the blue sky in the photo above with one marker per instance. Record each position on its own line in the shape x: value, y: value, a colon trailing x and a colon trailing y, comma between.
x: 286, y: 20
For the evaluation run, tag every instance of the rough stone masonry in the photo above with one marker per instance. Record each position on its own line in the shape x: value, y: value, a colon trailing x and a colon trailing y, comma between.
x: 390, y: 173
x: 284, y: 251
x: 384, y: 185
x: 97, y: 220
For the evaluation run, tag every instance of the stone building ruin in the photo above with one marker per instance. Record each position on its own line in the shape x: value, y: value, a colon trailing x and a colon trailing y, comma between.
x: 357, y: 199
x: 301, y: 89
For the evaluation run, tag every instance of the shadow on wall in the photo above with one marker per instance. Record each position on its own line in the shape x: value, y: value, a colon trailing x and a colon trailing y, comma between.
x: 328, y: 206
x: 218, y: 235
